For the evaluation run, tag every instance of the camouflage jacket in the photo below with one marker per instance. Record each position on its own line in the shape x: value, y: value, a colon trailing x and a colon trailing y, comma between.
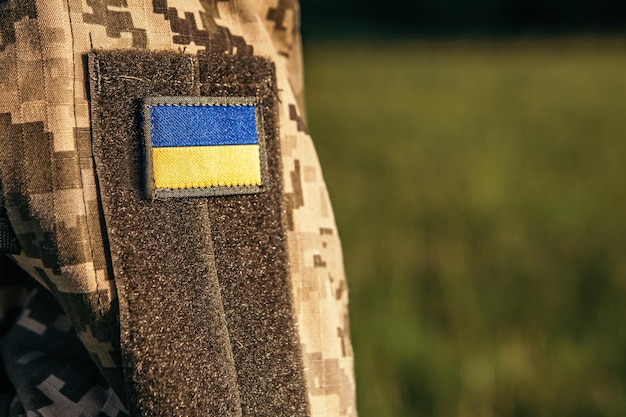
x: 167, y: 243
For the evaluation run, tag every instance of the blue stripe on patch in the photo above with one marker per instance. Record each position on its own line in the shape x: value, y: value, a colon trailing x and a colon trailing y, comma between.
x: 185, y: 125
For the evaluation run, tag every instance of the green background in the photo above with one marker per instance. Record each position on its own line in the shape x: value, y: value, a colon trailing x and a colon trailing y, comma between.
x: 479, y: 189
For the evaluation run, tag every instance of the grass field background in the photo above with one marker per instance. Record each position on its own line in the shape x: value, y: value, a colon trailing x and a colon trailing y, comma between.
x: 480, y: 191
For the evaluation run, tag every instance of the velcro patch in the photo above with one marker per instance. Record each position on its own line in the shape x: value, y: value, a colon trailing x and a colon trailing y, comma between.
x: 201, y: 146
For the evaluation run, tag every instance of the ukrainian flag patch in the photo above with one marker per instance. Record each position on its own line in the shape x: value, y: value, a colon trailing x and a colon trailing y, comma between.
x: 200, y: 146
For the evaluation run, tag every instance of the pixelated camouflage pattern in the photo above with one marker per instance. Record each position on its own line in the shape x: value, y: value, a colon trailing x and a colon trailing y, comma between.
x: 49, y: 183
x: 282, y: 22
x: 52, y: 372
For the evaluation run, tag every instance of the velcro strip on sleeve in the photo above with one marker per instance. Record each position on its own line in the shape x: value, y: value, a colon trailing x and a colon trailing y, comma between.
x: 174, y: 336
x: 204, y: 286
x: 202, y: 146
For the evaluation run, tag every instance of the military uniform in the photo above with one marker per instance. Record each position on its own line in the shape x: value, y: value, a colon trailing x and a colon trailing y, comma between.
x: 168, y: 244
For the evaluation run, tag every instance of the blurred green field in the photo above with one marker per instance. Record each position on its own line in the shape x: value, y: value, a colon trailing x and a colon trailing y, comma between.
x: 480, y: 190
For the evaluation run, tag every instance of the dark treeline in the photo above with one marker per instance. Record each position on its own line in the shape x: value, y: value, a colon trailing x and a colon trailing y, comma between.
x: 461, y: 17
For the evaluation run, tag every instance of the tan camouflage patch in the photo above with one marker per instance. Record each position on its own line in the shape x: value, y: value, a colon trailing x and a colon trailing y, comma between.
x: 282, y: 21
x: 40, y: 164
x: 320, y: 289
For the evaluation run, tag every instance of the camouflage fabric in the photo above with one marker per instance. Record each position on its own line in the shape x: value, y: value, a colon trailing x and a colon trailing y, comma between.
x: 49, y: 367
x: 52, y: 198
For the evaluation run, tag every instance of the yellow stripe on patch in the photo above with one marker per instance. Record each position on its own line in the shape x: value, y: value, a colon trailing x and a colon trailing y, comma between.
x: 206, y: 166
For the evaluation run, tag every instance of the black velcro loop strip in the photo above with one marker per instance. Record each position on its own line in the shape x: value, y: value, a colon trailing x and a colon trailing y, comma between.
x: 250, y: 241
x: 204, y: 286
x: 174, y: 340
